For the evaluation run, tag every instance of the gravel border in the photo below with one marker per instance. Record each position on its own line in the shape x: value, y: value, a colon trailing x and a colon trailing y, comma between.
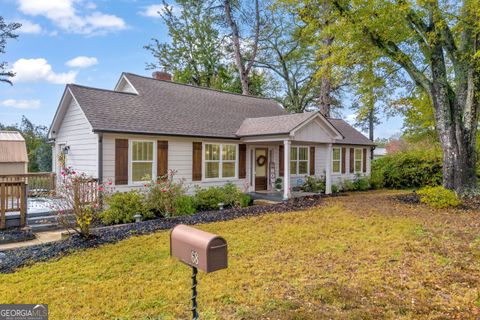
x: 15, y: 235
x: 12, y: 259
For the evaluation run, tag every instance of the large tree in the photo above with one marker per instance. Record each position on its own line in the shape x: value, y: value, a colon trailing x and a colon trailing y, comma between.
x: 194, y: 54
x: 434, y: 44
x: 7, y: 31
x: 285, y: 52
x: 244, y: 47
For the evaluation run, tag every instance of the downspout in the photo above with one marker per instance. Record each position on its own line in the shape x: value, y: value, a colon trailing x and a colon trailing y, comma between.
x: 100, y: 165
x: 100, y: 158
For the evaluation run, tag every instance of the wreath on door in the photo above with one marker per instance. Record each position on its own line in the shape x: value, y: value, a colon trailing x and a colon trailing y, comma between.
x: 261, y: 160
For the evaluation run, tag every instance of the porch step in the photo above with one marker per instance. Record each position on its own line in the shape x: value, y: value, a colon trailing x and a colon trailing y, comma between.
x: 45, y: 227
x: 45, y: 222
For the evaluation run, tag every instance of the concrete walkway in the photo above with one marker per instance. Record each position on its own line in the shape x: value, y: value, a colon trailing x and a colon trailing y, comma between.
x: 41, y: 237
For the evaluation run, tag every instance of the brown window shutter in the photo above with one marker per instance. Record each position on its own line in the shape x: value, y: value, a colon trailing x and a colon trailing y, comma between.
x: 197, y: 162
x: 162, y: 158
x: 242, y: 161
x: 121, y: 161
x: 280, y: 161
x: 364, y: 159
x: 352, y: 160
x: 312, y: 161
x: 344, y: 160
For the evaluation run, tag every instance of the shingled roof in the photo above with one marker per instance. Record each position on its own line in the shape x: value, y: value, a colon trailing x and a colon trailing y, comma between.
x: 350, y: 134
x: 169, y: 108
x: 164, y: 107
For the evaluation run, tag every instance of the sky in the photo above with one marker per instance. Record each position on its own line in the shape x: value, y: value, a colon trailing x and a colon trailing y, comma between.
x: 85, y: 42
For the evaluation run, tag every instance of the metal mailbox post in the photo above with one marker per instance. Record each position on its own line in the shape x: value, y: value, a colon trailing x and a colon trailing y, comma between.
x: 199, y: 250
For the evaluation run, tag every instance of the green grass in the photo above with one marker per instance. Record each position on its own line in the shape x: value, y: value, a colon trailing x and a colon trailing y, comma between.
x: 353, y: 258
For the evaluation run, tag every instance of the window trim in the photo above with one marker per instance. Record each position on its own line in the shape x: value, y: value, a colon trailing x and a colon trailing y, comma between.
x: 130, y: 161
x: 220, y: 162
x: 339, y: 160
x: 297, y: 161
x: 355, y: 160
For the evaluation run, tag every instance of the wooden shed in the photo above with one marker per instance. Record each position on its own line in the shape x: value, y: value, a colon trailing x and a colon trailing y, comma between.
x: 13, y: 153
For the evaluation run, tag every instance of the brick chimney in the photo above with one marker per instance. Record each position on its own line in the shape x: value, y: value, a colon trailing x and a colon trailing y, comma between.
x: 162, y: 75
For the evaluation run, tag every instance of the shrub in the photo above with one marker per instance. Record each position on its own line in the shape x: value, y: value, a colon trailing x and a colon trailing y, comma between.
x: 79, y: 206
x: 409, y: 169
x: 335, y: 188
x: 245, y: 200
x: 232, y: 195
x: 161, y: 195
x: 278, y: 183
x: 347, y: 185
x: 314, y: 184
x: 361, y: 183
x: 208, y: 198
x: 438, y: 197
x: 123, y: 206
x: 184, y: 205
x: 376, y: 178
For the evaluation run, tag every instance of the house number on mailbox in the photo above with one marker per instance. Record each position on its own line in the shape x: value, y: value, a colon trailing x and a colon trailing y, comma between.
x: 194, y: 257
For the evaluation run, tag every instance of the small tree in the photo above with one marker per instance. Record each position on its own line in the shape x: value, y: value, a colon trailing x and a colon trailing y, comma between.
x: 78, y: 205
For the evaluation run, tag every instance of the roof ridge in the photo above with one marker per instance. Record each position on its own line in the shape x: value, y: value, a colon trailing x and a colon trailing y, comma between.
x: 100, y: 89
x: 199, y: 87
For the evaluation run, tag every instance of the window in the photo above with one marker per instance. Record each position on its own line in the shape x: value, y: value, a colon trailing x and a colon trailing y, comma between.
x: 358, y: 160
x: 336, y: 160
x: 142, y: 160
x: 220, y: 161
x: 298, y: 160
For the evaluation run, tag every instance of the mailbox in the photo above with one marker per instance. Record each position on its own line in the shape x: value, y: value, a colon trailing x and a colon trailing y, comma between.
x: 198, y: 249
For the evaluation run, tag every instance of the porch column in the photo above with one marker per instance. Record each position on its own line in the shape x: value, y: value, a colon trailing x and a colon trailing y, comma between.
x: 286, y: 169
x: 328, y: 171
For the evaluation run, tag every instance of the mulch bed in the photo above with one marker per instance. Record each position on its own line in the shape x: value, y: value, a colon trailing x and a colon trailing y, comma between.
x: 15, y: 258
x: 15, y: 235
x: 409, y: 198
x: 472, y: 203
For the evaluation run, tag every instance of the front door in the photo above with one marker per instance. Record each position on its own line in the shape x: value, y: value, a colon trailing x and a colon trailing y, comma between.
x: 261, y: 172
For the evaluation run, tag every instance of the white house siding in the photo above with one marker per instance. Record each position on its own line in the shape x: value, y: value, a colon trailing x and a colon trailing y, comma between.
x: 313, y: 131
x: 180, y: 159
x: 339, y: 178
x: 75, y: 131
x: 180, y: 152
x: 124, y: 86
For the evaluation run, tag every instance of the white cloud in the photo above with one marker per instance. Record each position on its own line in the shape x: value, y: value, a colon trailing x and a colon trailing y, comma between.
x: 82, y: 62
x: 21, y: 104
x: 73, y: 15
x: 152, y: 10
x: 29, y: 27
x: 37, y: 70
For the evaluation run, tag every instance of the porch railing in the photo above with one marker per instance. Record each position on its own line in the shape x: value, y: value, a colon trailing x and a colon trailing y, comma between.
x: 13, y: 197
x: 38, y: 183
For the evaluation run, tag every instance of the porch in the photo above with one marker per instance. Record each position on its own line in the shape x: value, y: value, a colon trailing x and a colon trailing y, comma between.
x: 277, y: 196
x: 288, y: 147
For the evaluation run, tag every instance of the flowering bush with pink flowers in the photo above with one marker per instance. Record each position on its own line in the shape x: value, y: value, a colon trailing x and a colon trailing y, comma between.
x: 78, y: 205
x: 162, y: 194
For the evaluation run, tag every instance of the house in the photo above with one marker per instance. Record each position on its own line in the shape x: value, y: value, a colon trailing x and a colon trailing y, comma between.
x: 379, y: 152
x: 13, y: 153
x: 146, y: 126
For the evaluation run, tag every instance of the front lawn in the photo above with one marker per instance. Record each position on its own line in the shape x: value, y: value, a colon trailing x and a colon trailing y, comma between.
x: 363, y: 256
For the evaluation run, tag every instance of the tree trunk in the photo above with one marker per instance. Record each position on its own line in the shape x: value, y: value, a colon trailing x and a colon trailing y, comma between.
x: 371, y: 126
x: 457, y: 140
x: 325, y: 99
x: 243, y: 70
